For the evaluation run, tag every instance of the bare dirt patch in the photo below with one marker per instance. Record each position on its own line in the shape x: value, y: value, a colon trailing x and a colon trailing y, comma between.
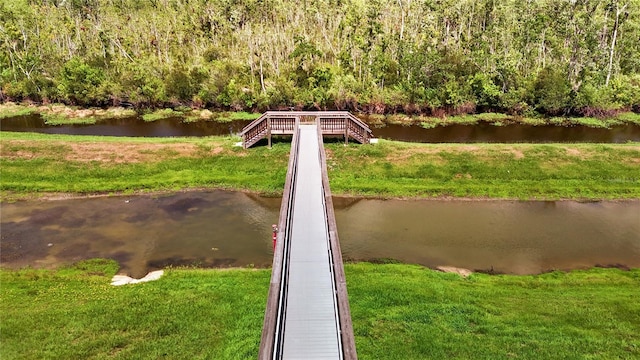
x: 517, y: 154
x: 450, y: 269
x: 127, y: 153
x: 217, y: 150
x: 574, y: 152
x: 116, y: 152
x: 400, y: 155
x: 328, y: 153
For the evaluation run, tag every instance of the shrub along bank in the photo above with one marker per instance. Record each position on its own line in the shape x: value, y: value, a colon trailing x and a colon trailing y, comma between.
x: 60, y: 114
x: 398, y: 312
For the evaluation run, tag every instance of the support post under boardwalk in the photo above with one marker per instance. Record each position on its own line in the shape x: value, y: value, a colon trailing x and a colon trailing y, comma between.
x: 308, y: 322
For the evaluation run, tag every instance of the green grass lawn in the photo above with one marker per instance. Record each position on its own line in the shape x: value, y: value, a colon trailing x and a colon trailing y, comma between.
x: 409, y: 312
x: 497, y: 119
x: 398, y: 312
x: 33, y: 163
x: 38, y: 163
x: 522, y: 171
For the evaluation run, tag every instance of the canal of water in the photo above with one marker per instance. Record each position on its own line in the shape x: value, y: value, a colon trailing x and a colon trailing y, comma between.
x: 232, y: 229
x: 482, y: 132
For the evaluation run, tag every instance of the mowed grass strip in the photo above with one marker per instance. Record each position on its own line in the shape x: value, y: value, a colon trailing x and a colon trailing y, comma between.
x: 520, y: 171
x: 74, y: 313
x: 409, y: 312
x: 398, y: 311
x: 36, y: 163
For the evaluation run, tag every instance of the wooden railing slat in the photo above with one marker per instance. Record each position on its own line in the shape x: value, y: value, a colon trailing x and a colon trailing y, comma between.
x: 283, y: 123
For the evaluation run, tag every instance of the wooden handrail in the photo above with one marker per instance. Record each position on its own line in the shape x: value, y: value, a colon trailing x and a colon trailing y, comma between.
x: 359, y: 122
x: 272, y: 315
x: 271, y: 123
x: 347, y: 337
x: 272, y: 334
x: 253, y: 124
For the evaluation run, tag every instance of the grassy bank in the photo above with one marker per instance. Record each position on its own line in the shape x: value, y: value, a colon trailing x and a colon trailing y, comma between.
x: 74, y: 313
x: 195, y: 115
x: 36, y: 164
x: 398, y: 312
x: 498, y: 119
x: 523, y: 171
x: 58, y: 114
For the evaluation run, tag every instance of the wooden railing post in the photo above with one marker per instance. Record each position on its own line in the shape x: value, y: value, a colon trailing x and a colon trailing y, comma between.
x: 269, y: 131
x: 346, y: 131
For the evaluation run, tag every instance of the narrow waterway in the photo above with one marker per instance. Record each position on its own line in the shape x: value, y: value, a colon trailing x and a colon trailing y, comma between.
x: 127, y: 127
x: 481, y: 132
x: 515, y: 133
x: 521, y: 237
x: 224, y: 229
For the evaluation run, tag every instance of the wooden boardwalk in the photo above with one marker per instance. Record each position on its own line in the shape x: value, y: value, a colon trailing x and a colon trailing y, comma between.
x: 307, y: 314
x: 341, y: 123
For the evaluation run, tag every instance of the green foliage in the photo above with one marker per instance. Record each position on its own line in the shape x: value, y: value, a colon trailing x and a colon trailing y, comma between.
x: 179, y: 85
x: 591, y: 96
x: 453, y: 94
x: 236, y: 97
x: 11, y: 110
x: 183, y: 84
x: 551, y: 91
x: 161, y: 114
x: 484, y: 90
x: 80, y: 83
x: 439, y: 57
x: 223, y: 117
x: 625, y: 90
x: 629, y: 117
x: 143, y: 87
x: 52, y: 167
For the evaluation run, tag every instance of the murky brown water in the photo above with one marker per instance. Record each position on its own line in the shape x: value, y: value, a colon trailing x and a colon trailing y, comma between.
x: 481, y: 132
x: 487, y: 133
x: 130, y: 127
x: 208, y: 229
x: 521, y: 237
x: 221, y: 229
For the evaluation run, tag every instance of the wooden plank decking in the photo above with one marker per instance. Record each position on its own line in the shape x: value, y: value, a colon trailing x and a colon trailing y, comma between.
x: 307, y: 314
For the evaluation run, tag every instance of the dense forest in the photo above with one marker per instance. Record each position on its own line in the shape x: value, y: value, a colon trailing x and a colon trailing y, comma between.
x: 579, y: 57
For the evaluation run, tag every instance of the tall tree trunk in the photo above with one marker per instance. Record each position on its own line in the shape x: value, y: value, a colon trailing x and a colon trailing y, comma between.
x: 616, y: 25
x: 264, y: 90
x: 401, y: 19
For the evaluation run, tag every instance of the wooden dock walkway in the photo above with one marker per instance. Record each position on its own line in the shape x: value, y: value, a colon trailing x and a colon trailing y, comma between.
x: 341, y: 123
x: 307, y: 314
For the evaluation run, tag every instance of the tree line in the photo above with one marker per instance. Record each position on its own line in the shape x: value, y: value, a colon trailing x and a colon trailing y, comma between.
x: 579, y: 57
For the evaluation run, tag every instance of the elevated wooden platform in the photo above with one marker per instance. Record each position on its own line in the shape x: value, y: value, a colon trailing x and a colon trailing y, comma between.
x: 285, y: 123
x: 307, y: 314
